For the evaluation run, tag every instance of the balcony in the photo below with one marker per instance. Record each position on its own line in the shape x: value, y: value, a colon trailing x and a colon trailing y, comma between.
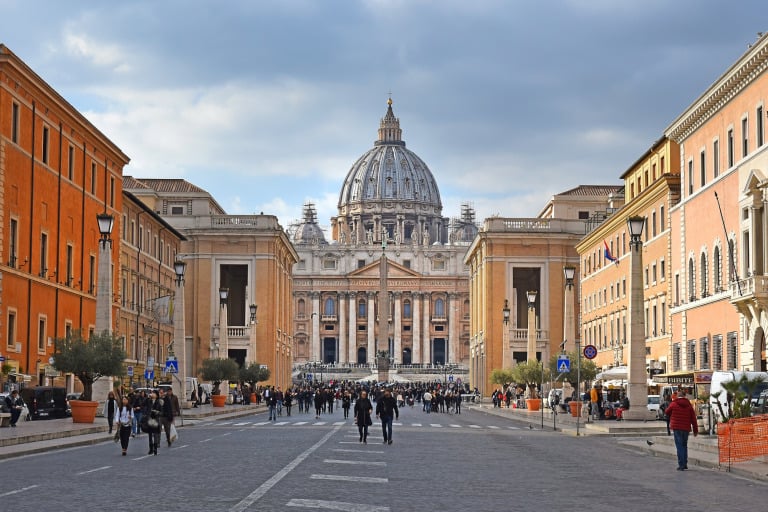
x: 753, y: 288
x: 522, y: 334
x: 439, y: 319
x: 328, y: 318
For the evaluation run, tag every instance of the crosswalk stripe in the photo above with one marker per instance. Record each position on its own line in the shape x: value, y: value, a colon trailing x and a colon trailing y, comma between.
x: 493, y: 426
x: 355, y: 462
x: 336, y: 505
x: 455, y: 426
x: 475, y: 426
x: 436, y: 425
x: 344, y: 478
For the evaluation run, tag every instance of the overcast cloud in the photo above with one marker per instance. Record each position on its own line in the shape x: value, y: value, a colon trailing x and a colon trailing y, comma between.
x: 267, y: 104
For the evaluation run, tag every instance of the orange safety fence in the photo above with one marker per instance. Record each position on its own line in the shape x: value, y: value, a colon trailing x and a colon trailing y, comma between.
x: 743, y: 439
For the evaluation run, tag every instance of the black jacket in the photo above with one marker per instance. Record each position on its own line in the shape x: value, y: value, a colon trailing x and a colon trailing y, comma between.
x: 363, y: 408
x: 386, y: 407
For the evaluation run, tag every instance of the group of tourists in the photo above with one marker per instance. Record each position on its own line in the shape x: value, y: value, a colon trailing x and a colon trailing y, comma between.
x: 151, y: 412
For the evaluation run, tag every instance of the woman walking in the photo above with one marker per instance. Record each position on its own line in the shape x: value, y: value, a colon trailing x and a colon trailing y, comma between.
x: 363, y: 410
x: 123, y: 423
x: 110, y: 408
x: 153, y: 410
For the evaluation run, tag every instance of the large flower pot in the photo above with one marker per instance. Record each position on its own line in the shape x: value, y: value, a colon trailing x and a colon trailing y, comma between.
x: 219, y: 400
x: 253, y: 398
x: 83, y: 411
x: 575, y: 407
x: 533, y: 404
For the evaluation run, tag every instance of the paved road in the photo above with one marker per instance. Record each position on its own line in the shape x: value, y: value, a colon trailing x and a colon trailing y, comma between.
x: 442, y: 462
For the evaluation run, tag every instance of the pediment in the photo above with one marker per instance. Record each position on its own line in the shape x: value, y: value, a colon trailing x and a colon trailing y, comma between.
x: 372, y: 270
x: 755, y: 180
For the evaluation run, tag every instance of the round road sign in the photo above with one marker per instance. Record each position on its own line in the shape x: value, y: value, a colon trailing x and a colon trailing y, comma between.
x: 590, y: 351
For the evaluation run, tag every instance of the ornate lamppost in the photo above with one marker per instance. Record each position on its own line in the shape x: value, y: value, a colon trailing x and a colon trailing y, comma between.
x: 637, y: 389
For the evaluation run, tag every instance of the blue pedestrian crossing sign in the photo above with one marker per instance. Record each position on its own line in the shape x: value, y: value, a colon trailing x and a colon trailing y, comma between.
x: 563, y: 364
x: 171, y: 365
x: 149, y: 374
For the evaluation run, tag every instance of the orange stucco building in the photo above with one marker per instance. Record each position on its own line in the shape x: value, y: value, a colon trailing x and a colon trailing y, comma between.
x: 57, y: 172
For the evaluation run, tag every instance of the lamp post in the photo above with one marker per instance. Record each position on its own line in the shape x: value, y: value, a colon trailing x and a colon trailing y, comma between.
x: 104, y: 286
x: 531, y: 349
x: 637, y: 389
x: 252, y: 352
x: 180, y: 267
x: 569, y: 328
x: 224, y: 330
x: 506, y: 359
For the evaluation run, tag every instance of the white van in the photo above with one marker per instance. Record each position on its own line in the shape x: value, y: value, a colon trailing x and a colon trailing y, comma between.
x: 718, y: 378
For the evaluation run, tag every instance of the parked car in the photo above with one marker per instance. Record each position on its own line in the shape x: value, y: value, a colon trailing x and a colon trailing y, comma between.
x: 45, y: 402
x: 761, y: 407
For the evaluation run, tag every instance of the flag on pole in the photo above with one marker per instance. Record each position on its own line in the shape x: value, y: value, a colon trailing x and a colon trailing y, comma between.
x: 610, y: 257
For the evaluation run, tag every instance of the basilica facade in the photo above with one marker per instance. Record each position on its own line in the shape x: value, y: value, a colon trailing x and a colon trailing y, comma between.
x: 388, y: 250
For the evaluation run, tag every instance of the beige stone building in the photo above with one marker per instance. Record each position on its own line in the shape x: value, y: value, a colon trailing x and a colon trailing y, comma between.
x: 250, y: 257
x: 389, y: 205
x: 511, y: 256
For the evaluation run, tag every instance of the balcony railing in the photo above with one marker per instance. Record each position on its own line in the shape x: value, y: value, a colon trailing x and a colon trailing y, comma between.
x: 522, y: 334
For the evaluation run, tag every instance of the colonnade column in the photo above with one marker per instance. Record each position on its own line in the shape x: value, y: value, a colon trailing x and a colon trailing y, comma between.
x: 426, y: 337
x: 453, y: 337
x: 342, y: 355
x: 371, y: 328
x: 398, y: 349
x: 315, y: 327
x: 416, y: 350
x: 352, y: 331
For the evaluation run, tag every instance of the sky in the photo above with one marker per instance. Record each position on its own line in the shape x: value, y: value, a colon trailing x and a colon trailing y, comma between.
x: 266, y: 104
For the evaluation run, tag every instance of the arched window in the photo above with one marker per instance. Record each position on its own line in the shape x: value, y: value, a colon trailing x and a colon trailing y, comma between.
x: 440, y: 308
x: 407, y: 309
x: 717, y: 270
x: 731, y: 259
x: 330, y: 307
x: 704, y: 272
x: 691, y: 280
x: 302, y: 307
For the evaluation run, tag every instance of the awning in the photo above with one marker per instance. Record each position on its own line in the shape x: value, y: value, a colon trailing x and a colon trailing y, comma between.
x: 617, y: 373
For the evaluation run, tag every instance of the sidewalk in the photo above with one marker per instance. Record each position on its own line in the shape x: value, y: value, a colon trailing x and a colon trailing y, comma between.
x: 648, y: 437
x: 38, y: 436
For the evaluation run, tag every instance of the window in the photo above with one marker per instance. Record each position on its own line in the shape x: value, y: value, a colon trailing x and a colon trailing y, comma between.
x: 662, y: 220
x: 11, y: 335
x: 41, y: 335
x: 43, y: 254
x: 94, y: 176
x: 703, y: 169
x: 717, y: 270
x: 360, y: 263
x: 691, y: 354
x: 71, y: 163
x: 716, y: 159
x: 91, y: 274
x: 662, y: 270
x: 46, y: 136
x: 329, y: 309
x: 731, y: 349
x: 407, y: 309
x: 407, y: 263
x: 69, y: 265
x: 438, y: 264
x: 676, y: 357
x: 691, y: 281
x: 583, y: 215
x: 663, y: 316
x: 759, y: 126
x: 112, y: 191
x: 730, y: 148
x: 440, y: 308
x: 177, y: 210
x: 15, y: 123
x: 731, y: 259
x: 703, y: 271
x: 361, y: 306
x: 13, y: 248
x: 717, y: 352
x: 329, y: 264
x: 744, y: 137
x: 690, y: 177
x: 704, y: 352
x: 653, y: 222
x: 653, y: 273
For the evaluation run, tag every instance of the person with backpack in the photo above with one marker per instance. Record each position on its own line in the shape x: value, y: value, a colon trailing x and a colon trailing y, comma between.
x: 124, y: 423
x: 682, y: 419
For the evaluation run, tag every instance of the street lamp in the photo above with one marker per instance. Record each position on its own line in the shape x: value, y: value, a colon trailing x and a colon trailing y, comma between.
x: 637, y: 388
x: 506, y: 359
x: 252, y: 309
x: 569, y: 327
x: 531, y: 349
x: 105, y: 222
x: 180, y: 267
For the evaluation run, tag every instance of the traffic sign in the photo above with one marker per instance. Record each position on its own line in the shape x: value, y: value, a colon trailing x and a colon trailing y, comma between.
x: 450, y: 378
x: 172, y: 365
x: 129, y: 371
x: 563, y: 364
x: 2, y: 358
x: 590, y: 351
x: 309, y: 376
x: 149, y: 374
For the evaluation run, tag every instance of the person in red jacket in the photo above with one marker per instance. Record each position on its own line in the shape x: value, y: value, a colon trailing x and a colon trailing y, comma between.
x: 682, y: 419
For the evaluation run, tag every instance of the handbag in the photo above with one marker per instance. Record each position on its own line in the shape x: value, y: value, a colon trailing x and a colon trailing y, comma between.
x: 174, y: 433
x: 117, y: 436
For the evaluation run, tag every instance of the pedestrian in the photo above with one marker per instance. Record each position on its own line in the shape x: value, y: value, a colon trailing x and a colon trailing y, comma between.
x: 594, y: 409
x: 171, y: 409
x: 110, y: 408
x: 15, y: 405
x: 386, y: 411
x: 346, y: 403
x: 288, y: 401
x: 151, y: 421
x: 363, y: 410
x: 271, y: 403
x: 427, y: 398
x: 682, y: 419
x: 124, y: 423
x: 137, y: 402
x: 319, y: 402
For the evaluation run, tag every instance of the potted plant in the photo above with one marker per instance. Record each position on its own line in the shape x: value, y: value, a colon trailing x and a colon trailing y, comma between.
x: 99, y: 356
x: 218, y: 370
x: 253, y: 374
x: 529, y: 373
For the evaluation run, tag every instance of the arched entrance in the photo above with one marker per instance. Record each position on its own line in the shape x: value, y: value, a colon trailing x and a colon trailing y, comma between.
x: 406, y: 356
x: 362, y: 355
x: 438, y: 351
x: 329, y: 350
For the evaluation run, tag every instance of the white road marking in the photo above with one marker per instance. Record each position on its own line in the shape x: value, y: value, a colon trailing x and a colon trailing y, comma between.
x: 436, y: 425
x: 455, y: 426
x: 319, y: 423
x: 416, y: 424
x: 354, y: 451
x: 261, y: 423
x: 102, y: 468
x: 493, y: 427
x: 266, y: 486
x: 301, y: 423
x: 243, y: 423
x: 336, y: 505
x: 345, y: 478
x: 475, y: 426
x: 206, y: 440
x: 282, y: 423
x: 355, y: 462
x: 340, y: 423
x: 17, y: 491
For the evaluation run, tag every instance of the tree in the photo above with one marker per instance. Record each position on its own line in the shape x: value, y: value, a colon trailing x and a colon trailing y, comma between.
x: 218, y: 370
x: 502, y: 376
x: 530, y: 373
x: 254, y: 373
x: 587, y: 372
x: 101, y: 355
x: 738, y: 398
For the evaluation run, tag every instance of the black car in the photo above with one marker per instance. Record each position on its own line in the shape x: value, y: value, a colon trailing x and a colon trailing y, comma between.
x: 45, y: 402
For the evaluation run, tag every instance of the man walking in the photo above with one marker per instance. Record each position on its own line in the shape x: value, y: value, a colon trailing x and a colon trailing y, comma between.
x: 386, y: 411
x: 169, y: 410
x: 682, y: 419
